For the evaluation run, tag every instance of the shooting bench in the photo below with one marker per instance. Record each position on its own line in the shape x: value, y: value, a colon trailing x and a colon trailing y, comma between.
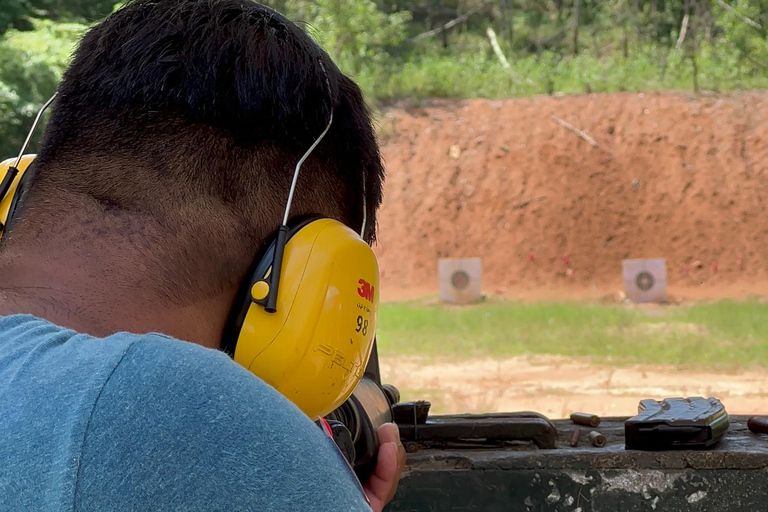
x: 733, y: 476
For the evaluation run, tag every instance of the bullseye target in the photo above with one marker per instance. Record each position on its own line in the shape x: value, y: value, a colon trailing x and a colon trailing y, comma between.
x: 645, y: 280
x: 460, y: 280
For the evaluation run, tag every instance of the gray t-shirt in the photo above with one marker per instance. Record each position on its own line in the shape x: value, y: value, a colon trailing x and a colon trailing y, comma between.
x: 151, y: 423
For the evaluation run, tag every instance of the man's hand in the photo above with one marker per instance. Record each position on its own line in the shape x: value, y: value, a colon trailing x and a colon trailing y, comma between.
x: 382, y: 485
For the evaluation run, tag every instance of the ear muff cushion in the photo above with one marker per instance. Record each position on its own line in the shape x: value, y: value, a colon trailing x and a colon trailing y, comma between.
x: 20, y: 190
x: 9, y: 203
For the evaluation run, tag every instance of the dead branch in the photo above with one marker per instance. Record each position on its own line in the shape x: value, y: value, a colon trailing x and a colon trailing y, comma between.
x: 683, y: 31
x: 504, y: 62
x: 581, y: 134
x: 497, y: 48
x: 449, y: 25
x: 523, y: 204
x: 556, y: 35
x: 746, y: 20
x: 756, y: 63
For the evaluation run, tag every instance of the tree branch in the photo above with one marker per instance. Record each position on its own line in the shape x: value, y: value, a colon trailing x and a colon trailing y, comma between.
x: 753, y: 61
x: 582, y: 135
x: 497, y: 48
x: 746, y: 20
x: 448, y: 25
x: 683, y: 31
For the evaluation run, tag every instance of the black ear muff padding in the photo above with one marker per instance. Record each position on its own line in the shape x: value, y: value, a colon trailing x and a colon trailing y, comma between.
x: 20, y: 189
x: 256, y: 273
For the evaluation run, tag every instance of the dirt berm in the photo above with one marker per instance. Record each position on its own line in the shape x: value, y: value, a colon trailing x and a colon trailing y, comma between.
x: 552, y: 215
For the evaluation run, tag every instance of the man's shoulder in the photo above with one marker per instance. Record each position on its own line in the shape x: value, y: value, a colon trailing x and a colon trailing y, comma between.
x: 176, y: 388
x: 138, y: 422
x: 125, y: 364
x: 155, y: 363
x: 198, y: 430
x: 35, y: 345
x: 167, y: 357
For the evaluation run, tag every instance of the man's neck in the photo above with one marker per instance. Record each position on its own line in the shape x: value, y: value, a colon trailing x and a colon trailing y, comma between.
x: 104, y: 292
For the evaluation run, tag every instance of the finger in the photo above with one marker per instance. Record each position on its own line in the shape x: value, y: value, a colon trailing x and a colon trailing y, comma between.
x: 389, y: 433
x: 382, y: 484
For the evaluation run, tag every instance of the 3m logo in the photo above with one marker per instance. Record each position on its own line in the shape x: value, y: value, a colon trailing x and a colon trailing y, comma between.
x: 365, y: 290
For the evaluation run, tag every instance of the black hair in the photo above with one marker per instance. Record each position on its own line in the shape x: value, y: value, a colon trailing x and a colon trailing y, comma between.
x: 170, y: 99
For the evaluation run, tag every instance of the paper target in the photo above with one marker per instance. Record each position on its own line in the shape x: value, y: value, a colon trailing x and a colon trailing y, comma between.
x: 460, y: 280
x: 645, y: 280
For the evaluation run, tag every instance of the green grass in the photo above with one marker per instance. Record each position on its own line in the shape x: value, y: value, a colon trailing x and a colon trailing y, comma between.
x: 723, y: 335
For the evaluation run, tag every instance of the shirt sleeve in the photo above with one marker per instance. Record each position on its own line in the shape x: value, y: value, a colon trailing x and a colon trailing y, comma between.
x: 181, y: 427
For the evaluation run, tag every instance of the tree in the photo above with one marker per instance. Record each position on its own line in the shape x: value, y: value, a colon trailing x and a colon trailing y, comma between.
x: 745, y: 27
x: 31, y: 64
x: 13, y: 14
x: 356, y: 34
x: 19, y: 14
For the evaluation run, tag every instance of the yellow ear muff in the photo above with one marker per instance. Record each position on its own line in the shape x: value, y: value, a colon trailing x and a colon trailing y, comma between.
x: 6, y: 202
x: 315, y: 348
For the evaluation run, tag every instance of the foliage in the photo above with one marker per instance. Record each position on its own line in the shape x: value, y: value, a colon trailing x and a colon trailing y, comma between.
x: 749, y: 42
x: 31, y: 64
x: 12, y: 13
x: 356, y: 34
x: 479, y: 74
x: 20, y: 14
x: 440, y: 48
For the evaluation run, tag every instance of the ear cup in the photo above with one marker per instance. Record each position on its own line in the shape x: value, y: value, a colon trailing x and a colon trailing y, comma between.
x: 315, y: 348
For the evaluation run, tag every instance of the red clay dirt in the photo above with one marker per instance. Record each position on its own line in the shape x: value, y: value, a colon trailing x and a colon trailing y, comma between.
x: 671, y: 175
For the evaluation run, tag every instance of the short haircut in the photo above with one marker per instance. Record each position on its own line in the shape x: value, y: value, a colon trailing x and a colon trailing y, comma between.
x: 170, y: 99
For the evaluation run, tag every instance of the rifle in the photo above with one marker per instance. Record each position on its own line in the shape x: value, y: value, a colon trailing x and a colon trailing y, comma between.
x: 372, y: 404
x: 674, y: 423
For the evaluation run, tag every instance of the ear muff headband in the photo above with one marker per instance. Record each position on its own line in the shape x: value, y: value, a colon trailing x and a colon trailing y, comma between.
x: 12, y: 171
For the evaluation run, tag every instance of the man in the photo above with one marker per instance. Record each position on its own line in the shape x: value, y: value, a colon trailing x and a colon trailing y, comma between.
x: 164, y: 168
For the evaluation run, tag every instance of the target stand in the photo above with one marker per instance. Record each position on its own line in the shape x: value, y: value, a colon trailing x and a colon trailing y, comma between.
x: 460, y: 280
x: 645, y: 280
